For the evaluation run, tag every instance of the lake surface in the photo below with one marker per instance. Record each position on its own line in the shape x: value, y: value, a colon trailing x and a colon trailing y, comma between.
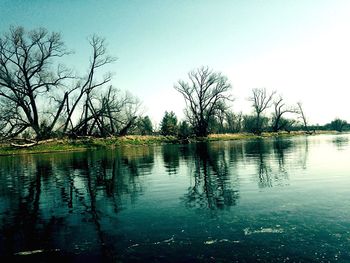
x: 271, y: 200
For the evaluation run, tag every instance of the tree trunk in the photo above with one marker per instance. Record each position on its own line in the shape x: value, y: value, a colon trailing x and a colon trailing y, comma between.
x: 124, y: 131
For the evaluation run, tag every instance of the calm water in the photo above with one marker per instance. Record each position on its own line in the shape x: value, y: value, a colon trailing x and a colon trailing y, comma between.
x: 271, y: 200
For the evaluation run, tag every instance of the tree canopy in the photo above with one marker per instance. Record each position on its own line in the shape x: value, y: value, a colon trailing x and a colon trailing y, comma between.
x: 40, y: 95
x: 168, y: 126
x: 28, y: 72
x: 205, y: 93
x: 42, y: 98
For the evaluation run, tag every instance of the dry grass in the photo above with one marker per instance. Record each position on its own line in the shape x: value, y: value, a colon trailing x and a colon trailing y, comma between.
x: 66, y: 145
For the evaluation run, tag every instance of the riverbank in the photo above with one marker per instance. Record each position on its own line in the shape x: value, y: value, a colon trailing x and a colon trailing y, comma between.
x: 83, y: 144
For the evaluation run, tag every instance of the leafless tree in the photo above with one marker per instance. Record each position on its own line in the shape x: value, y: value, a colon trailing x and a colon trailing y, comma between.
x: 220, y: 115
x: 261, y: 101
x: 110, y: 113
x: 302, y: 116
x: 204, y: 95
x: 234, y: 121
x: 28, y: 74
x: 39, y: 94
x: 280, y: 110
x: 85, y: 87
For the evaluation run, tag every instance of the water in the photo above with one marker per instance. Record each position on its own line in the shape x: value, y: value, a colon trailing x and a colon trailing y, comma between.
x: 272, y: 200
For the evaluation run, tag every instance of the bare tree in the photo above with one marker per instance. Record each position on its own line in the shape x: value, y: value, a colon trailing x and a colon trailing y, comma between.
x: 204, y: 95
x: 31, y: 79
x: 28, y: 74
x: 86, y: 85
x: 110, y: 113
x: 261, y: 101
x: 220, y: 116
x: 280, y: 110
x: 130, y: 108
x: 234, y: 121
x: 303, y: 117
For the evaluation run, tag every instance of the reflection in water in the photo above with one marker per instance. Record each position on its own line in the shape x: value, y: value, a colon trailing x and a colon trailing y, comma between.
x: 259, y: 150
x: 39, y: 192
x: 118, y: 205
x: 24, y: 224
x: 303, y: 151
x: 269, y: 158
x: 171, y: 158
x: 212, y: 183
x: 280, y: 147
x: 341, y: 142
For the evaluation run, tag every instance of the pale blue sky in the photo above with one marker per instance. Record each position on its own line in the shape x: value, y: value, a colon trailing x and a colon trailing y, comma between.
x: 299, y: 48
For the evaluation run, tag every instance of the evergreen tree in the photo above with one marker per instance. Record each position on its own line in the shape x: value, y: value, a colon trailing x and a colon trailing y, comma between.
x: 144, y: 126
x: 184, y: 130
x: 168, y: 125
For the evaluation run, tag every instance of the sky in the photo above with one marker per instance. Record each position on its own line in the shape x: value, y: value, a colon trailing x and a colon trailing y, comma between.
x: 300, y: 48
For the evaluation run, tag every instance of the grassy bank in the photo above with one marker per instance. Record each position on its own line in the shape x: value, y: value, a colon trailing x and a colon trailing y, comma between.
x: 66, y: 145
x: 239, y: 136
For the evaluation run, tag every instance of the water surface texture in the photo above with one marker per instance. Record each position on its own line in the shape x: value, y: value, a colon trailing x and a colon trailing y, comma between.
x: 271, y: 200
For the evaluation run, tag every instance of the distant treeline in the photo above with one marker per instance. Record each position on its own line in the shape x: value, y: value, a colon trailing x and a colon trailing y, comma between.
x: 232, y: 123
x: 42, y: 98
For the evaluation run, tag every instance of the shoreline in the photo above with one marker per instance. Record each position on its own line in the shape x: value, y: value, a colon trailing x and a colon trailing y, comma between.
x: 84, y: 144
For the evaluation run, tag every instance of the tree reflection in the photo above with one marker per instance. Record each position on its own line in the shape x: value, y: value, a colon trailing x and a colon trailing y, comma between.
x: 171, y: 158
x: 212, y: 186
x: 258, y: 150
x: 24, y: 226
x: 73, y: 201
x: 281, y: 147
x: 303, y: 152
x: 44, y: 195
x: 236, y: 153
x: 341, y: 142
x: 269, y: 156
